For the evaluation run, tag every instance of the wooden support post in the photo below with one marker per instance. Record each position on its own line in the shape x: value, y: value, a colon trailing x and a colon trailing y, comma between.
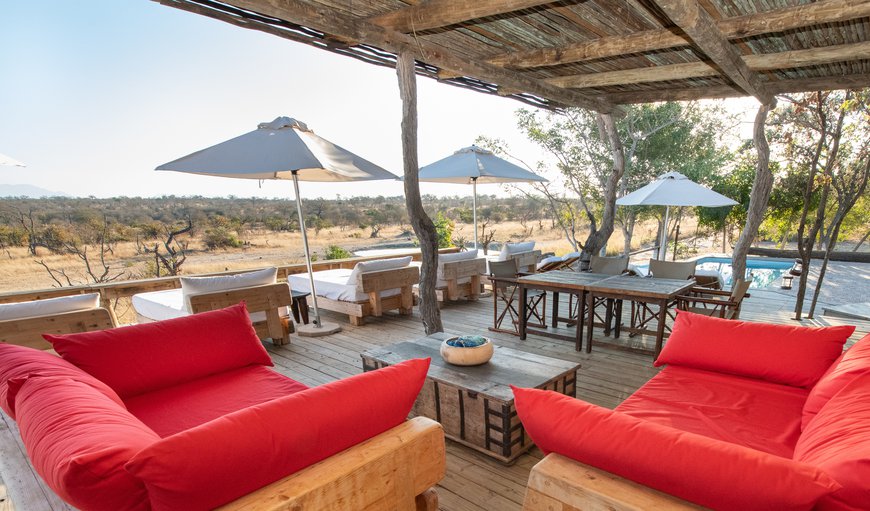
x: 424, y: 228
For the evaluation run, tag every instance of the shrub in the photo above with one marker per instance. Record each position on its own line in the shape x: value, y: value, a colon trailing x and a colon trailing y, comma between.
x: 444, y: 230
x: 221, y: 237
x: 336, y: 252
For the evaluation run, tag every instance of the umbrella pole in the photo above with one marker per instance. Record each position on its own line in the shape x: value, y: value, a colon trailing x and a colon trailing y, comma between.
x: 474, y: 208
x: 319, y: 328
x: 663, y: 246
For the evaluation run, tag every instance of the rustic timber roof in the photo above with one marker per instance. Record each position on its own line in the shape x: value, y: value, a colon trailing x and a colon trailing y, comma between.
x: 595, y: 54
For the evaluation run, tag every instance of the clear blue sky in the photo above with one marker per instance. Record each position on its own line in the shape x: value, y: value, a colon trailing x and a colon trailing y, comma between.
x: 96, y: 93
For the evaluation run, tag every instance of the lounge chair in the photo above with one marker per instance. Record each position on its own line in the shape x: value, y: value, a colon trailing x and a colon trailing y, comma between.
x: 371, y: 288
x: 23, y: 323
x: 564, y: 262
x: 268, y: 301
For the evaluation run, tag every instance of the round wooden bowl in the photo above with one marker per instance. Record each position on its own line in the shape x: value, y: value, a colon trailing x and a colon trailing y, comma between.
x: 466, y: 356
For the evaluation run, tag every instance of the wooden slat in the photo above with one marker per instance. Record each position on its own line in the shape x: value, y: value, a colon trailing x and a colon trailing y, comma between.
x: 28, y: 331
x: 441, y: 13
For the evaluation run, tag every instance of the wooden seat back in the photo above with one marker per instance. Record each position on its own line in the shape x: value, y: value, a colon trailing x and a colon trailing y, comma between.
x: 28, y: 331
x: 671, y: 270
x: 454, y: 271
x: 375, y: 282
x: 527, y: 262
x: 269, y: 298
x: 608, y: 265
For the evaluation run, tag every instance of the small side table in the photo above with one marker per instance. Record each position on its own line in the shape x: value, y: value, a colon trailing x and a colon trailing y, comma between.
x: 300, y: 306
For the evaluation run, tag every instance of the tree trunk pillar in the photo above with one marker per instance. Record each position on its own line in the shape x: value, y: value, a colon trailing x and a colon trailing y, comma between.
x: 423, y: 226
x: 759, y: 196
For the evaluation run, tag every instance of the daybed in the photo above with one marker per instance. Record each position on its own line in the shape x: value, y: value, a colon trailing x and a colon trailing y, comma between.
x: 744, y: 416
x: 459, y: 276
x: 186, y: 414
x: 266, y: 299
x: 371, y: 288
x: 23, y: 323
x: 523, y: 253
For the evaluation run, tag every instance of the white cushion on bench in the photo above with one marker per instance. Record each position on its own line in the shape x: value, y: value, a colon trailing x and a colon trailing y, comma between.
x: 191, y: 286
x: 49, y: 306
x: 334, y: 284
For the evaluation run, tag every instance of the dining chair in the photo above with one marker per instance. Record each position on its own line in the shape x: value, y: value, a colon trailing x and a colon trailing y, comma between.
x: 604, y: 266
x: 717, y: 303
x: 641, y: 314
x: 503, y: 275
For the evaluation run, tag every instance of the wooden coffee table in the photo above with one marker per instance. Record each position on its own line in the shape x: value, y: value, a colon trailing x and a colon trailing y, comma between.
x: 475, y: 405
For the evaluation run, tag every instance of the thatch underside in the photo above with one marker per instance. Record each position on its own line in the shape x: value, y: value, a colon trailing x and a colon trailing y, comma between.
x: 596, y: 54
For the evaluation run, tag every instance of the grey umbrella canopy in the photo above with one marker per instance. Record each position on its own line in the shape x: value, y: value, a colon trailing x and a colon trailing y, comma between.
x: 674, y: 189
x: 283, y: 149
x: 473, y: 165
x: 12, y: 162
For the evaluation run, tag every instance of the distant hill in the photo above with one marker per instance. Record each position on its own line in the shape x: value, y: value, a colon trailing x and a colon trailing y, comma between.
x: 31, y: 191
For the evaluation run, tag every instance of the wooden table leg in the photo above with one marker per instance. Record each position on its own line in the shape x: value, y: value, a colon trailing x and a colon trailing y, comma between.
x: 590, y: 313
x: 578, y: 341
x: 523, y: 312
x: 618, y: 327
x: 608, y: 315
x: 660, y: 330
x: 555, y: 321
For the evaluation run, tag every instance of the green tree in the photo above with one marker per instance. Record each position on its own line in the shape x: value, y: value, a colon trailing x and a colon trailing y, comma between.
x: 444, y: 230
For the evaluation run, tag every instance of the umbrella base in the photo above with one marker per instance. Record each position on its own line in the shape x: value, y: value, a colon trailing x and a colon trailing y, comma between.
x: 310, y: 330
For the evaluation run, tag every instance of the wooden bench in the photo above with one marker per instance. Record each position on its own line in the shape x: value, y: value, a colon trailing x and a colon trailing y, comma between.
x: 373, y: 284
x: 395, y: 470
x: 269, y: 298
x: 453, y: 272
x: 28, y: 331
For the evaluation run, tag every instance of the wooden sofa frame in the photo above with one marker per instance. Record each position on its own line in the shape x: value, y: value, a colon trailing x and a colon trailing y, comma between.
x: 373, y: 283
x: 28, y: 331
x: 395, y: 470
x: 558, y: 483
x: 268, y: 298
x: 527, y: 262
x: 453, y: 272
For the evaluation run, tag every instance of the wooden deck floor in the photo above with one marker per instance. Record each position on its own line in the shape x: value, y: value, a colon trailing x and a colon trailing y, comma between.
x: 473, y: 482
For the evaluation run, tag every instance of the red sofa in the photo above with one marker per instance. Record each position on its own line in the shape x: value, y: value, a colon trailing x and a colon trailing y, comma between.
x: 186, y: 414
x: 744, y: 416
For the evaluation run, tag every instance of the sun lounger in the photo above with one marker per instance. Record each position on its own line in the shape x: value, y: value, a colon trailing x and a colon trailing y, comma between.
x: 564, y: 262
x: 23, y: 323
x: 371, y: 288
x: 459, y: 276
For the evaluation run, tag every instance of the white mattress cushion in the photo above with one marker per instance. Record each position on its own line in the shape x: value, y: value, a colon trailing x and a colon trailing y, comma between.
x: 49, y: 306
x: 376, y: 265
x: 169, y: 304
x: 191, y: 286
x: 548, y: 260
x: 333, y: 284
x: 510, y: 249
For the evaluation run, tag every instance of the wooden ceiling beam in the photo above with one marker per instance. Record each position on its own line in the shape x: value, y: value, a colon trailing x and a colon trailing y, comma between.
x: 765, y: 62
x: 330, y: 21
x: 779, y: 20
x: 726, y: 91
x: 441, y: 13
x: 702, y: 29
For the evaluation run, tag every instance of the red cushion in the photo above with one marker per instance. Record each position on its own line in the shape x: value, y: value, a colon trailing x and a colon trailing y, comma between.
x: 142, y: 358
x: 744, y: 411
x: 79, y: 440
x: 173, y: 409
x: 837, y: 440
x: 791, y: 355
x: 854, y: 362
x: 275, y: 439
x: 692, y: 467
x: 20, y: 362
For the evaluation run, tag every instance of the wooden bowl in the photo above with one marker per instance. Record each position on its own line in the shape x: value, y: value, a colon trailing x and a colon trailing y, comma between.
x: 466, y: 356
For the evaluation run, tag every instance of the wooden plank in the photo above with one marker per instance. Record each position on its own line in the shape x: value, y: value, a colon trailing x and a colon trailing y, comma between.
x: 28, y: 331
x: 268, y: 298
x: 441, y: 13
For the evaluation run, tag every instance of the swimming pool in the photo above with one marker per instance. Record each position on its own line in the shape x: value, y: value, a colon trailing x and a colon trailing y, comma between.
x: 765, y: 271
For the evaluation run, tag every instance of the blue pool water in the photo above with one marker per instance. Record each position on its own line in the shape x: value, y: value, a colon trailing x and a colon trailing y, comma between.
x: 765, y: 271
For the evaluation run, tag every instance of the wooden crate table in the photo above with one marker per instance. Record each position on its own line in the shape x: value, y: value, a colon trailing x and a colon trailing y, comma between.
x: 475, y: 404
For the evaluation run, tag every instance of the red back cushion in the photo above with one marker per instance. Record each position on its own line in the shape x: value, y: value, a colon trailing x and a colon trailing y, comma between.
x: 854, y: 362
x: 20, y: 362
x: 141, y: 358
x: 709, y: 472
x: 787, y: 354
x: 79, y: 440
x: 274, y: 439
x: 837, y: 440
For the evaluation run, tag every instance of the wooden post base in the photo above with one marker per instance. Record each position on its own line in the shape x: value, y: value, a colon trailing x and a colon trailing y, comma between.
x: 310, y: 330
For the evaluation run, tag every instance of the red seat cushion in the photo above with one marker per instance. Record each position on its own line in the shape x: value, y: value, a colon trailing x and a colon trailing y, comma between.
x: 20, y: 362
x: 79, y: 440
x: 854, y: 362
x: 173, y: 409
x: 192, y: 470
x: 708, y: 472
x: 142, y: 358
x: 837, y: 440
x: 791, y: 355
x: 752, y: 413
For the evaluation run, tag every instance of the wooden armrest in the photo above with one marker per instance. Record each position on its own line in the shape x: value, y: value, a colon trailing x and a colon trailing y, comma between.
x: 385, y: 472
x: 28, y: 331
x: 268, y: 298
x: 708, y: 291
x: 377, y: 281
x: 710, y: 301
x: 557, y: 482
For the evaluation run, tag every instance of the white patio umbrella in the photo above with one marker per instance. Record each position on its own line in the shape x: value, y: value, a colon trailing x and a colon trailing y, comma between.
x: 6, y: 160
x: 283, y: 149
x: 475, y: 165
x: 674, y: 189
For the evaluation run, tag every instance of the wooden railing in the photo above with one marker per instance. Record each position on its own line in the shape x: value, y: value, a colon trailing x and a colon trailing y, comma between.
x: 111, y: 292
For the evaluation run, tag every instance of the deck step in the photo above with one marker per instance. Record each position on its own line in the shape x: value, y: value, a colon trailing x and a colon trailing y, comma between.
x: 849, y: 311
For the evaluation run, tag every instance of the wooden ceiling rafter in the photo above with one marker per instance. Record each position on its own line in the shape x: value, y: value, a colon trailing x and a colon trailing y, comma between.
x: 442, y: 13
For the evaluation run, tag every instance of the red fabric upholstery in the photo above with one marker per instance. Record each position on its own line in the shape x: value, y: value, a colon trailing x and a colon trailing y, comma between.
x: 837, y: 440
x: 19, y: 362
x: 752, y: 413
x: 708, y: 472
x: 854, y: 362
x: 78, y: 439
x: 174, y: 409
x: 274, y: 439
x: 791, y: 355
x: 142, y: 358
